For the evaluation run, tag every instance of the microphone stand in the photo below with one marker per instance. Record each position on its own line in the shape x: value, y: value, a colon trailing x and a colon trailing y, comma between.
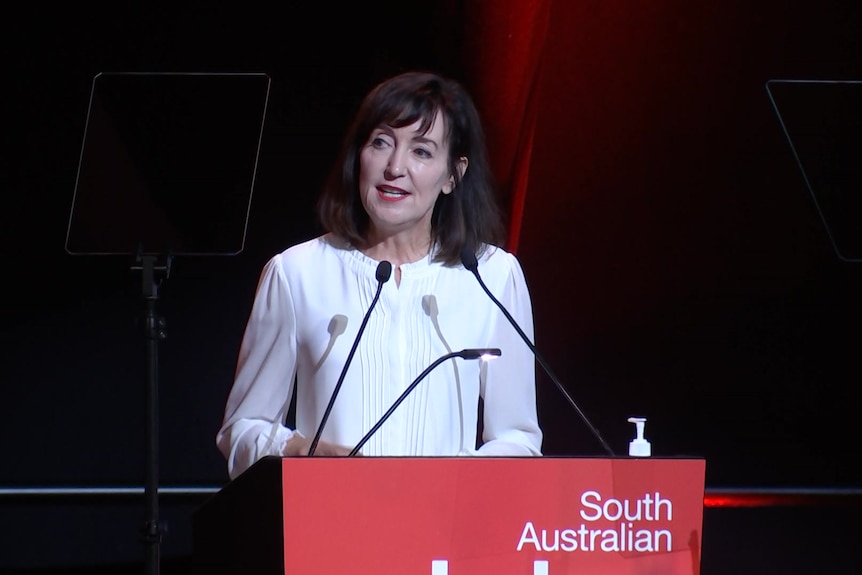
x: 469, y: 261
x: 154, y: 326
x: 384, y: 272
x: 485, y: 354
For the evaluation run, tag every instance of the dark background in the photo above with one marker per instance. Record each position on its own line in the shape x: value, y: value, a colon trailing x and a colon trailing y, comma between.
x: 679, y: 267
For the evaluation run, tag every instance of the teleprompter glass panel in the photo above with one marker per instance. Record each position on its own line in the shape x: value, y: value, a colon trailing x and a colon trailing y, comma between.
x: 822, y: 121
x: 168, y: 164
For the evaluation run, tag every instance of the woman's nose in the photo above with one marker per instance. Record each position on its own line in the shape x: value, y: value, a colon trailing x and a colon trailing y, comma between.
x: 396, y: 166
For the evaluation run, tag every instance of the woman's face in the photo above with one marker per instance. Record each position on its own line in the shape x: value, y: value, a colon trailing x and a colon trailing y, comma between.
x: 402, y: 172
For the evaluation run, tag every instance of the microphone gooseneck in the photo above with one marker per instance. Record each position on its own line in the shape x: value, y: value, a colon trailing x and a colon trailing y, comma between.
x: 384, y: 272
x: 469, y: 261
x: 482, y: 353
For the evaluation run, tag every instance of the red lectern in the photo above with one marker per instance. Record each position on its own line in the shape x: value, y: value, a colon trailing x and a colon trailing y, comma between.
x: 455, y: 516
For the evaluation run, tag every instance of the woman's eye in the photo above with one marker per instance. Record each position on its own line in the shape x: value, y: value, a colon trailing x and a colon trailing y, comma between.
x: 423, y: 153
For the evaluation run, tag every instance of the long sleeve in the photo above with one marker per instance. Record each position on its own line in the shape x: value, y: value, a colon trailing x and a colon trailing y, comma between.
x: 253, y: 420
x: 510, y: 424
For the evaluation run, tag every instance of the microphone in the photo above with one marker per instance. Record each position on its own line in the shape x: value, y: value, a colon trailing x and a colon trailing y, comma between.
x: 484, y: 354
x: 384, y: 271
x: 469, y: 261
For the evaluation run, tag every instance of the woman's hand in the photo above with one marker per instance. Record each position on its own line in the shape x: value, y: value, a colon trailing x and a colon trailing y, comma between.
x: 297, y: 446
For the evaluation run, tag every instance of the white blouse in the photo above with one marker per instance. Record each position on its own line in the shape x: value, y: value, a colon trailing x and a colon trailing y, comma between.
x: 310, y: 303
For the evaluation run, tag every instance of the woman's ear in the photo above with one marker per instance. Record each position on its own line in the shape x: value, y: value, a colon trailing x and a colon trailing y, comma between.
x: 461, y: 166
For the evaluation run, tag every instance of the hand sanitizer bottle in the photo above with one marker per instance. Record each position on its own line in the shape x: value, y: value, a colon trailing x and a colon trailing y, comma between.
x: 639, y: 447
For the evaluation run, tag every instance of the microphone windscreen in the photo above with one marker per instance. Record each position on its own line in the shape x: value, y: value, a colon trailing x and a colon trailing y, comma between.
x: 384, y: 270
x: 468, y: 259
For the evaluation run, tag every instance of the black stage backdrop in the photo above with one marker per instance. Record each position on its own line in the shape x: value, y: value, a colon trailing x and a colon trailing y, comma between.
x: 748, y: 358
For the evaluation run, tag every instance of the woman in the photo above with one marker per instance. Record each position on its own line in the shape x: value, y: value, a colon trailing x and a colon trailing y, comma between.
x: 412, y: 187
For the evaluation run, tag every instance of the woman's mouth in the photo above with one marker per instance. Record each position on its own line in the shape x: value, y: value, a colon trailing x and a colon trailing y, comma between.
x: 391, y: 194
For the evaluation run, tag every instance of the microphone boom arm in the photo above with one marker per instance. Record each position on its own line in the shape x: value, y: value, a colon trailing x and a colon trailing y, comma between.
x: 550, y: 373
x: 384, y: 271
x: 464, y: 354
x: 470, y: 263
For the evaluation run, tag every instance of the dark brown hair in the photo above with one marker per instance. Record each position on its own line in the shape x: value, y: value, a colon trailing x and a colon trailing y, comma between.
x: 469, y: 217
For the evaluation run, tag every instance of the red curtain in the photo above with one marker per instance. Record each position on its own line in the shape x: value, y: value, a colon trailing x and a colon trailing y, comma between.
x: 503, y: 46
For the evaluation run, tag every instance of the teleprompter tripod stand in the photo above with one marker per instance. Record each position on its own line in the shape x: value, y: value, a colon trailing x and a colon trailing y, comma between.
x: 167, y: 169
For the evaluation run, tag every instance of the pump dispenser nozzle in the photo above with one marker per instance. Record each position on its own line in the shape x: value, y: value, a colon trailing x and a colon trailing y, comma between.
x: 639, y: 447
